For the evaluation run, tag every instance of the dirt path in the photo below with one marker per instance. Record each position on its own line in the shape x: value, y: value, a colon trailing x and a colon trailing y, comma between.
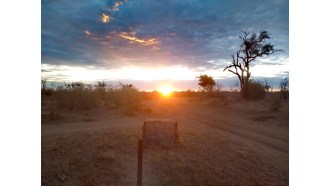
x: 227, y: 145
x: 88, y: 126
x: 275, y: 140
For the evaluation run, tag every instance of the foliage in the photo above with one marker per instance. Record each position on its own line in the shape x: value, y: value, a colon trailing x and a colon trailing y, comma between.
x: 47, y: 91
x: 256, y: 90
x: 253, y: 45
x: 267, y: 87
x: 122, y: 95
x: 75, y: 96
x: 206, y: 83
x: 101, y: 88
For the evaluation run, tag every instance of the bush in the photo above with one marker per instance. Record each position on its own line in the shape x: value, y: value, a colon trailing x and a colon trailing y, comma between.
x: 125, y: 96
x: 76, y: 98
x: 47, y: 91
x: 256, y: 90
x: 284, y: 88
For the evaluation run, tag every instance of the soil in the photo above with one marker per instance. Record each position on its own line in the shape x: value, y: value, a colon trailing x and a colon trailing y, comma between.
x: 221, y: 143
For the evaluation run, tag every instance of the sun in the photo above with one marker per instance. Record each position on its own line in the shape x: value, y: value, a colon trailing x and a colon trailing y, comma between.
x: 166, y: 90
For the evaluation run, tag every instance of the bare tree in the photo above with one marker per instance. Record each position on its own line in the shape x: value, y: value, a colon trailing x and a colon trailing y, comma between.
x: 284, y: 85
x: 253, y: 45
x: 267, y: 87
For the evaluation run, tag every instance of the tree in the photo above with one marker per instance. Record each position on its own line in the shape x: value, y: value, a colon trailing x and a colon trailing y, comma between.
x: 284, y: 88
x: 206, y: 82
x: 267, y: 87
x: 253, y: 45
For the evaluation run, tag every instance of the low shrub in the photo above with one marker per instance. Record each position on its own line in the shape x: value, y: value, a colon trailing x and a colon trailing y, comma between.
x: 76, y: 98
x: 256, y: 90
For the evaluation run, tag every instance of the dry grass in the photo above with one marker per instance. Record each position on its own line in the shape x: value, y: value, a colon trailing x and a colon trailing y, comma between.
x: 90, y: 158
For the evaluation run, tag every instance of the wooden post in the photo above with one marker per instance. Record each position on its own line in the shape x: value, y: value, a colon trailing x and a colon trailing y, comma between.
x: 140, y: 157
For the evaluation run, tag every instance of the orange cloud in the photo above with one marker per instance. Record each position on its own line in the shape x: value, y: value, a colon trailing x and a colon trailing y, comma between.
x: 104, y: 18
x: 131, y: 37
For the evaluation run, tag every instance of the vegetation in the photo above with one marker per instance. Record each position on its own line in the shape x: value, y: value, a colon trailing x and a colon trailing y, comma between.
x: 206, y: 83
x: 78, y: 101
x: 284, y: 88
x: 80, y: 97
x: 45, y: 91
x: 253, y: 45
x: 256, y: 90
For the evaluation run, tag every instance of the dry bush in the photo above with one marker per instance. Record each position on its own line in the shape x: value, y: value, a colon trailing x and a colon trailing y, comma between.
x: 78, y: 96
x: 256, y: 90
x: 284, y: 85
x: 126, y: 97
x: 75, y: 96
x: 76, y: 99
x: 47, y: 92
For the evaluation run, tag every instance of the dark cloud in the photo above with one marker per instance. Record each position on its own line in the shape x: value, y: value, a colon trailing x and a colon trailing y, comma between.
x: 190, y: 33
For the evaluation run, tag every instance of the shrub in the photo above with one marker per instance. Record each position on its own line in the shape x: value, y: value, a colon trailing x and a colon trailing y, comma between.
x: 76, y: 97
x: 284, y: 88
x: 46, y: 90
x: 125, y: 96
x: 256, y: 90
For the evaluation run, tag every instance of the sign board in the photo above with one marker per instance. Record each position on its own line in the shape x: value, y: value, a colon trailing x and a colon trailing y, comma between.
x: 160, y: 133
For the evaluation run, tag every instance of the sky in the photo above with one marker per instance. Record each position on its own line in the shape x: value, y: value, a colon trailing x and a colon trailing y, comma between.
x: 149, y: 43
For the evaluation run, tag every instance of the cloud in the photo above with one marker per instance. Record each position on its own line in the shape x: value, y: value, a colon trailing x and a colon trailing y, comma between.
x: 113, y: 34
x: 130, y: 37
x: 104, y: 18
x: 133, y: 39
x: 116, y: 5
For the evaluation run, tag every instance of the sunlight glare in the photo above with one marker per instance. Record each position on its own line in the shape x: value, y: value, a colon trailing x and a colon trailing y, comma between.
x: 166, y: 90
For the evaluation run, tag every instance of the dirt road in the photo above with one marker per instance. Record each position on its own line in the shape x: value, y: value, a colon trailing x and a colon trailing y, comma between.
x: 231, y: 144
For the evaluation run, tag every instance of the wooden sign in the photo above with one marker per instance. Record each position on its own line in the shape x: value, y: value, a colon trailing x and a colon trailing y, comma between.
x: 160, y: 133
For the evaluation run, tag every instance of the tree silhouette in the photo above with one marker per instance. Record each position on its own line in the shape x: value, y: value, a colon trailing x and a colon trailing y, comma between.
x: 253, y: 45
x: 206, y: 82
x: 284, y: 88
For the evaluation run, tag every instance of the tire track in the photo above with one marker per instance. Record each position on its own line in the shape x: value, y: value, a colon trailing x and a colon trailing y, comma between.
x: 251, y: 135
x: 81, y: 126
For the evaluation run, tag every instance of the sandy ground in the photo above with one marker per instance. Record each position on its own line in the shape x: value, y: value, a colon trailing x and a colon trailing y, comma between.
x: 241, y: 143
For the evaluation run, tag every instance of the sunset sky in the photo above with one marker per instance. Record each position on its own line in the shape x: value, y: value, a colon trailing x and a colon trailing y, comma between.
x: 150, y: 43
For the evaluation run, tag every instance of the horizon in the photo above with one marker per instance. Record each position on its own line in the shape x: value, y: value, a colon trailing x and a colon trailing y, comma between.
x: 230, y: 84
